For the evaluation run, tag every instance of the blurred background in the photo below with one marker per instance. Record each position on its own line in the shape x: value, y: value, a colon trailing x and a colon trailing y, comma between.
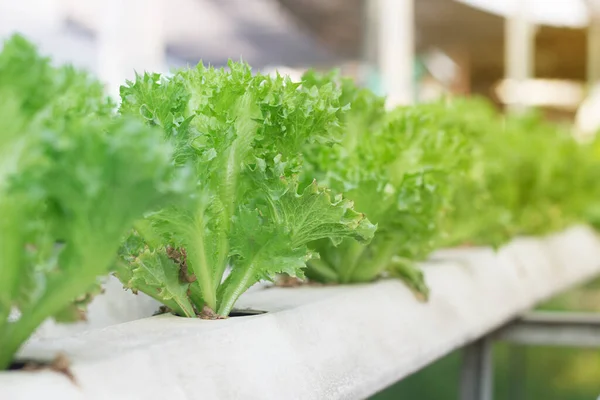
x: 543, y: 53
x: 517, y: 53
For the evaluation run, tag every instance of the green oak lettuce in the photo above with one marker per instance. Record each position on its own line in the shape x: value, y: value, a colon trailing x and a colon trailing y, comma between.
x: 243, y: 135
x: 73, y: 179
x: 528, y: 177
x: 399, y: 168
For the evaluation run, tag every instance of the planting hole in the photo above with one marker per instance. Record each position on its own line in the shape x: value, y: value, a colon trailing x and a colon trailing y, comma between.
x: 60, y: 364
x: 245, y: 313
x: 22, y: 364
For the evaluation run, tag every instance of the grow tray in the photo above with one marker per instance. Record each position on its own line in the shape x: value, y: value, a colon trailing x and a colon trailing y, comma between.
x: 344, y: 342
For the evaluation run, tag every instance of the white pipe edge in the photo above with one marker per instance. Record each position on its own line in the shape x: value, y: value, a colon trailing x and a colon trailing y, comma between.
x: 316, y: 342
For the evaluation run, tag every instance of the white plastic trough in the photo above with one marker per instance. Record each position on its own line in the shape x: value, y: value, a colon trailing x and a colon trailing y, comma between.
x: 315, y: 342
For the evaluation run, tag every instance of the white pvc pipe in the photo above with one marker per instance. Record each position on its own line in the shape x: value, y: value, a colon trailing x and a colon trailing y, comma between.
x: 396, y: 50
x: 345, y: 342
x: 130, y: 38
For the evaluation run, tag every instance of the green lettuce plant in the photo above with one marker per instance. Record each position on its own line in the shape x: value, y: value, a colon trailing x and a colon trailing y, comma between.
x: 399, y: 168
x: 528, y: 177
x: 73, y: 179
x: 243, y: 135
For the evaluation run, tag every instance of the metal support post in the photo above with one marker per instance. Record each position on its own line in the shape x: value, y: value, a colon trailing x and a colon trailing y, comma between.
x: 477, y: 373
x: 537, y: 329
x: 553, y: 329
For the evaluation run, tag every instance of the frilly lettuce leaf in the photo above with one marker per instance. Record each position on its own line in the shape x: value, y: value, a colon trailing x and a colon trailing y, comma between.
x: 398, y: 167
x: 243, y: 134
x: 73, y: 179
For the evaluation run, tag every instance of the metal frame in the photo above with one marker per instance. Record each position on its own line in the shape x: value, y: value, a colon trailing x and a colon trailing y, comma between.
x: 535, y: 328
x: 477, y: 373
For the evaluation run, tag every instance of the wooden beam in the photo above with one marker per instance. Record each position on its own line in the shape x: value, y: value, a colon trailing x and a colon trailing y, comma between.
x: 593, y: 48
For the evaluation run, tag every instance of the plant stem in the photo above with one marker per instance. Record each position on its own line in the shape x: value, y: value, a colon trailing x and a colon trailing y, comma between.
x: 323, y: 270
x: 195, y: 294
x: 183, y: 309
x: 57, y: 295
x: 350, y: 259
x: 234, y: 286
x: 245, y: 130
x: 198, y: 263
x: 7, y: 353
x: 413, y: 277
x: 371, y: 268
x: 11, y: 255
x: 240, y: 279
